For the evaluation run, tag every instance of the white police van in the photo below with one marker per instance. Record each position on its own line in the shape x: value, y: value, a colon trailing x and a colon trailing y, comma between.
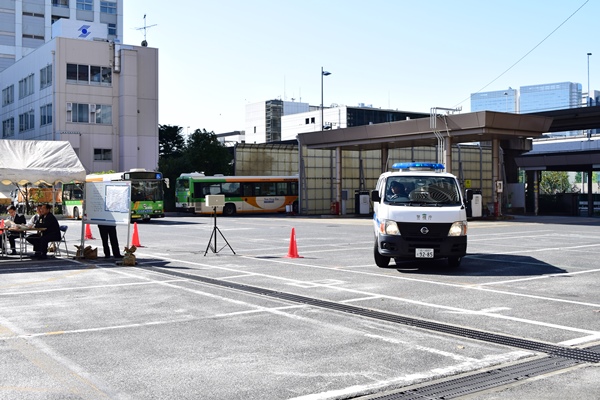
x: 419, y: 213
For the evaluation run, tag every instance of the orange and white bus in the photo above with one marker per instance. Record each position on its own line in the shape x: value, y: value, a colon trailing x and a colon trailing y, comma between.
x: 243, y: 194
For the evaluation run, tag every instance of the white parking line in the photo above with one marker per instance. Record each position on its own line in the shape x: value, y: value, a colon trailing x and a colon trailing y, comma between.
x: 421, y: 303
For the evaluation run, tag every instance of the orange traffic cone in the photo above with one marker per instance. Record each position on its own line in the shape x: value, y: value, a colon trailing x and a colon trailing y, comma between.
x: 293, y: 251
x: 88, y: 232
x: 135, y: 240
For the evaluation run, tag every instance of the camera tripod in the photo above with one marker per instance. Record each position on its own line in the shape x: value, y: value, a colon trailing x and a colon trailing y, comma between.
x: 214, y: 235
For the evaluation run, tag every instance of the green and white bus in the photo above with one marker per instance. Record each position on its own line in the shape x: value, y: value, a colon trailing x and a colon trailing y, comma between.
x: 147, y: 192
x: 72, y: 200
x: 182, y: 191
x: 243, y: 194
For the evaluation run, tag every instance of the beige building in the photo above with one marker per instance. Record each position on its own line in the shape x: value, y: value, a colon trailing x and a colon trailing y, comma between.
x: 65, y: 75
x: 100, y: 96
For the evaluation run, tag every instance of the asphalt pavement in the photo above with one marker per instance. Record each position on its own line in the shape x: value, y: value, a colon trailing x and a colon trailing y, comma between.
x: 248, y: 316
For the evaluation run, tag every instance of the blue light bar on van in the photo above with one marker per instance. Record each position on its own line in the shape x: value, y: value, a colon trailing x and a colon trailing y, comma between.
x: 418, y: 166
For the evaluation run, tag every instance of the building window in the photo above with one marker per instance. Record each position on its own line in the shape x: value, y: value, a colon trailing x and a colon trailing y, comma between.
x: 89, y: 75
x: 8, y: 95
x: 78, y: 112
x: 60, y: 3
x: 312, y: 120
x: 46, y: 114
x: 8, y: 127
x: 112, y: 29
x: 46, y: 76
x: 103, y: 114
x: 102, y: 155
x: 26, y: 121
x: 86, y: 5
x: 83, y: 73
x: 108, y: 7
x: 26, y: 87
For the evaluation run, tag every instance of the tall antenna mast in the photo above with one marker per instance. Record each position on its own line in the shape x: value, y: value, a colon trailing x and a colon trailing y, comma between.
x: 145, y: 43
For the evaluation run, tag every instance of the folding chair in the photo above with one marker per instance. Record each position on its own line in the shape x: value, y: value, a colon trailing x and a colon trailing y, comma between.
x: 56, y: 244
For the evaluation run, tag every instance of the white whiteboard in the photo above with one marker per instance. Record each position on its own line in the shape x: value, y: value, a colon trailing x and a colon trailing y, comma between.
x: 107, y: 203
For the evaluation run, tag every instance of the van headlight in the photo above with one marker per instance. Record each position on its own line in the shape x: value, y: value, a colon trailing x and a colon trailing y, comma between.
x: 459, y: 228
x: 389, y: 227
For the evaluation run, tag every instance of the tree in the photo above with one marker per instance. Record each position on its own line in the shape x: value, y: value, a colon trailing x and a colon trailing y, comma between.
x: 553, y: 182
x: 204, y: 153
x: 171, y: 162
x: 171, y: 142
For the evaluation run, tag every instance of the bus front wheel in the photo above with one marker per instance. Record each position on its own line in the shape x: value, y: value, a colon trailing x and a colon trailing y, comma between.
x: 229, y: 209
x: 76, y: 213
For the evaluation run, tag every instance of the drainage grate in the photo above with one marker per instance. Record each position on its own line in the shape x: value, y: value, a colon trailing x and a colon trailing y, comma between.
x: 478, y: 382
x: 551, y: 349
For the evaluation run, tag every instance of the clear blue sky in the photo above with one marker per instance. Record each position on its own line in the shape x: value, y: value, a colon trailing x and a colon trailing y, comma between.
x: 217, y: 56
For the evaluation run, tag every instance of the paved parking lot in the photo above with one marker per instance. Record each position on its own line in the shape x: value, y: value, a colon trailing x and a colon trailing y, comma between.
x: 182, y: 324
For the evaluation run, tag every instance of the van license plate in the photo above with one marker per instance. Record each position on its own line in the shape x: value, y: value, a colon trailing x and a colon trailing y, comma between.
x: 424, y: 253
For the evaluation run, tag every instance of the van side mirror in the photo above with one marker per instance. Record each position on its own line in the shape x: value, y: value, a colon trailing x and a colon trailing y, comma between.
x: 375, y: 196
x: 469, y: 194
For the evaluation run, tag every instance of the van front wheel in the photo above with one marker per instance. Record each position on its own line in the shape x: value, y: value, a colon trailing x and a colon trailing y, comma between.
x: 454, y: 262
x: 381, y: 261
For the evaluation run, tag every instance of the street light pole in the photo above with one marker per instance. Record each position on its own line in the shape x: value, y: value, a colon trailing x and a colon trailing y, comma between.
x: 587, y: 100
x: 323, y: 73
x: 588, y: 71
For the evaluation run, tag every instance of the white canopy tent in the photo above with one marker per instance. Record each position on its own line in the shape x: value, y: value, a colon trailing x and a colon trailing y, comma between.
x: 25, y: 162
x: 32, y: 162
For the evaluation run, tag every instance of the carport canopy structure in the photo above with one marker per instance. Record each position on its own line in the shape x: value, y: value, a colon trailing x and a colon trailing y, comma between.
x: 516, y: 130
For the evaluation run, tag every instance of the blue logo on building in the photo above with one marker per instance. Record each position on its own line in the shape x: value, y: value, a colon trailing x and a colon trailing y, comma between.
x: 85, y: 31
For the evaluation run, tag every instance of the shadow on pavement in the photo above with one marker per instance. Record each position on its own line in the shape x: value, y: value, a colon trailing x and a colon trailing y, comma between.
x: 482, y: 265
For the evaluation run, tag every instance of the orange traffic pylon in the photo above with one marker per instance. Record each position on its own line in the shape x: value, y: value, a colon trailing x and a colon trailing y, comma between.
x: 135, y: 240
x: 293, y: 251
x: 88, y: 232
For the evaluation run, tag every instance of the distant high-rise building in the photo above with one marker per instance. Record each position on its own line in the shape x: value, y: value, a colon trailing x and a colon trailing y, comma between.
x: 498, y: 100
x: 531, y: 99
x: 549, y: 96
x: 263, y: 119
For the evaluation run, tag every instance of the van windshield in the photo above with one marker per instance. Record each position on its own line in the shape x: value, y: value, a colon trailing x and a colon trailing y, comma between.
x: 419, y: 190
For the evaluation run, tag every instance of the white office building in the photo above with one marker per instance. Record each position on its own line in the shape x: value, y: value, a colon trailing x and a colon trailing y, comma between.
x: 263, y: 119
x: 66, y: 76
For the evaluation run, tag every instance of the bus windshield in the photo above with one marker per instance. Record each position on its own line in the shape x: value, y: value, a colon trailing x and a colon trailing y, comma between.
x: 146, y: 191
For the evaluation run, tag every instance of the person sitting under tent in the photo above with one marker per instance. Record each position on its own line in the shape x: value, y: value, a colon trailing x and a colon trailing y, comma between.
x: 51, y: 233
x: 13, y: 219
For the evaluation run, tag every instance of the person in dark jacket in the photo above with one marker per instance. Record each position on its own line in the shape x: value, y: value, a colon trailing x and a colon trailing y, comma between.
x: 51, y: 233
x: 13, y: 219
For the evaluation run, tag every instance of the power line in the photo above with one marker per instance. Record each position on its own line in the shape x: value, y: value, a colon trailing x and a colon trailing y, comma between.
x: 529, y: 52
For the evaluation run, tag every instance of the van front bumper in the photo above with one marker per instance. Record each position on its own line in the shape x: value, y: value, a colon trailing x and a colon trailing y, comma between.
x: 397, y: 246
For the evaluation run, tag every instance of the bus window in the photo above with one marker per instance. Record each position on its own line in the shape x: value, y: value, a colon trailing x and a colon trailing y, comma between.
x: 182, y: 184
x: 247, y: 189
x: 265, y: 189
x: 231, y: 188
x: 137, y: 191
x: 294, y: 188
x: 206, y: 188
x: 153, y: 191
x: 282, y: 188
